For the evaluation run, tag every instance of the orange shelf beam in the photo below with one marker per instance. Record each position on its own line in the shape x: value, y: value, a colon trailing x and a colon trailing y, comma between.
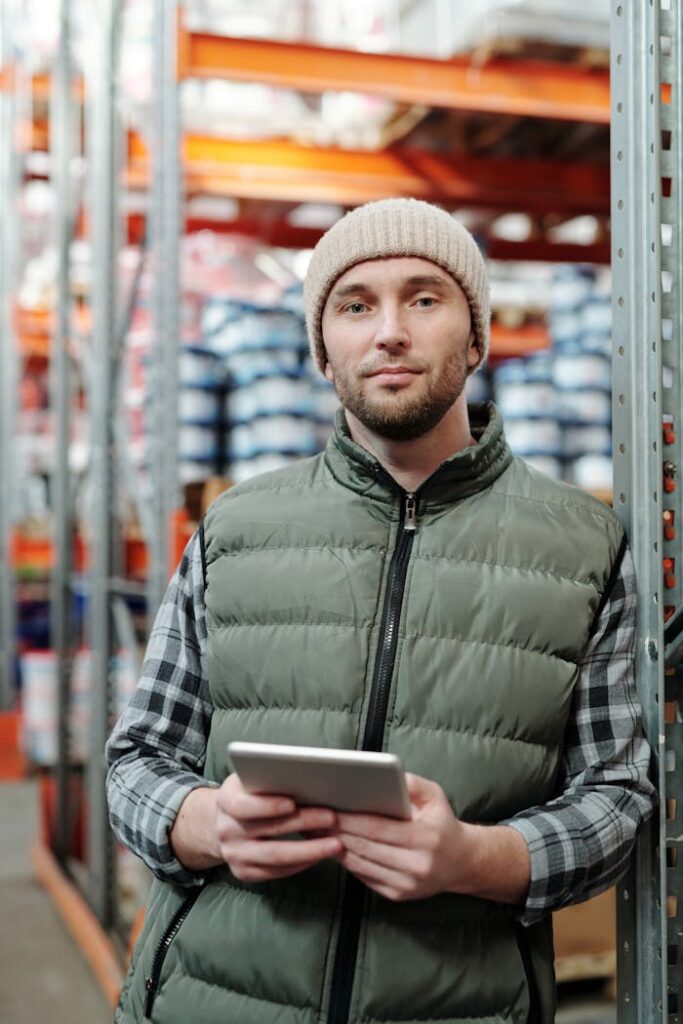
x: 86, y: 931
x: 41, y: 85
x: 280, y: 233
x: 289, y: 172
x: 543, y: 251
x: 520, y: 341
x: 523, y: 88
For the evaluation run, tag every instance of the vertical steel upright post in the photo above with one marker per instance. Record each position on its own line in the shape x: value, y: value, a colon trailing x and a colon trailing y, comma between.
x: 61, y: 149
x: 670, y: 39
x: 165, y: 242
x: 102, y: 165
x: 638, y: 464
x: 9, y: 356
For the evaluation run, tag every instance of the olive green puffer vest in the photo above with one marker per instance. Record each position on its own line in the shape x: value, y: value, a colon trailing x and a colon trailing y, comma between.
x: 333, y: 622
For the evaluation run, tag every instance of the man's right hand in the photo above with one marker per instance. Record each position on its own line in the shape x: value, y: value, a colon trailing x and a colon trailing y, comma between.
x: 228, y: 825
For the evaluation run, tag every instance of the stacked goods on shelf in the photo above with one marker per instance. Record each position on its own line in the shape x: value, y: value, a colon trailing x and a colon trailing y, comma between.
x: 199, y: 378
x: 519, y: 24
x: 276, y: 409
x: 522, y: 388
x: 39, y: 703
x: 556, y: 404
x: 426, y: 27
x: 580, y: 328
x: 525, y: 395
x: 248, y: 399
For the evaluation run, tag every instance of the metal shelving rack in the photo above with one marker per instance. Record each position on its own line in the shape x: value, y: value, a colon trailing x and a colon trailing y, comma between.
x: 647, y: 177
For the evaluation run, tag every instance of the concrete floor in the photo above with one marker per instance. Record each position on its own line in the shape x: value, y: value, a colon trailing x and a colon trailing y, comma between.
x: 43, y: 976
x: 585, y: 1003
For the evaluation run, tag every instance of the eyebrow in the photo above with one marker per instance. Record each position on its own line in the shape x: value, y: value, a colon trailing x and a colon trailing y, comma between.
x: 415, y: 281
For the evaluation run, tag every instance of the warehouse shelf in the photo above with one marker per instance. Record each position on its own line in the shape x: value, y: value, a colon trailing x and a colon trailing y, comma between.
x: 41, y: 85
x: 288, y: 172
x: 500, y: 86
x: 281, y: 234
x: 522, y: 88
x: 283, y: 173
x: 33, y: 553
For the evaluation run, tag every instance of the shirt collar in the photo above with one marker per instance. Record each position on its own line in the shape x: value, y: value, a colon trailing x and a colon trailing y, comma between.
x: 468, y: 471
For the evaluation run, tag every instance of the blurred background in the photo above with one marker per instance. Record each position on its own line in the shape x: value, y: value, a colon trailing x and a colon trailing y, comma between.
x: 165, y: 170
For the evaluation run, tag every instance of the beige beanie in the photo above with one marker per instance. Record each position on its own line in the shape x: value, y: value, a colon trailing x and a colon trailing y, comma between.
x: 397, y: 227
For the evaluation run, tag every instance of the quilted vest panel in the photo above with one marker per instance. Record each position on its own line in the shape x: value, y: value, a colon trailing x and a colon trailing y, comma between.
x: 505, y: 575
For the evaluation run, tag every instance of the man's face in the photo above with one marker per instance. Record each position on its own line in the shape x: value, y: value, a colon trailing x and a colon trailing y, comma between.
x: 399, y: 344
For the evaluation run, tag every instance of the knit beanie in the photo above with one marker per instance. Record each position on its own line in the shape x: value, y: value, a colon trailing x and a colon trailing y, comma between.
x: 397, y: 227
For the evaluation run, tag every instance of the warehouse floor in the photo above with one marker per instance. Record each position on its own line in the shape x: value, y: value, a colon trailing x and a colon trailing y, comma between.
x: 43, y: 975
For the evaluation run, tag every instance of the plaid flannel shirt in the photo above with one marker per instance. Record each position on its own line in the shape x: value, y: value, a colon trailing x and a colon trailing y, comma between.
x: 579, y: 842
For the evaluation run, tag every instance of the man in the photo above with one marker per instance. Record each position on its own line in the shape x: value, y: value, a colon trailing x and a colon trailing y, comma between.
x: 413, y: 589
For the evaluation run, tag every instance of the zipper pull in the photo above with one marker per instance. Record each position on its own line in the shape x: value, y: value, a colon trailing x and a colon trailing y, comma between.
x: 410, y: 521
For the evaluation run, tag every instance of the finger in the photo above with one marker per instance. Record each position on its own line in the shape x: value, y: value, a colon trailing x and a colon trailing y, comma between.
x: 420, y: 790
x: 305, y: 820
x: 253, y: 873
x: 386, y: 855
x: 374, y: 874
x: 245, y: 806
x: 377, y: 827
x: 287, y: 853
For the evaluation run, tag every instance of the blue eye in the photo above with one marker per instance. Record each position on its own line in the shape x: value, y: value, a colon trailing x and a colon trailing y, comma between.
x: 425, y: 302
x: 356, y: 307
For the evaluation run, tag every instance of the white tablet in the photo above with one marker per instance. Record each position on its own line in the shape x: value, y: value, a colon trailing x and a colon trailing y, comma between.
x: 347, y: 780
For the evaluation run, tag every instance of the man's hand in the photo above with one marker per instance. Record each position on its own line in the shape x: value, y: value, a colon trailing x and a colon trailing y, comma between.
x: 434, y: 852
x: 229, y: 825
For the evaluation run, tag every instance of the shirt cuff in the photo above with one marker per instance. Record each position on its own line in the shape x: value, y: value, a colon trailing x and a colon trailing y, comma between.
x: 169, y: 867
x: 548, y: 869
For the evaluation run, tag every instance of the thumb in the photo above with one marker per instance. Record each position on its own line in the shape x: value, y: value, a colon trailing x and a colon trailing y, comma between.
x: 420, y: 790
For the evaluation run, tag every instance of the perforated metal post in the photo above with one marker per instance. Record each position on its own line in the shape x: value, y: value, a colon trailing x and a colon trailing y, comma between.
x: 9, y: 358
x: 165, y: 245
x: 62, y: 139
x: 103, y: 166
x: 646, y: 180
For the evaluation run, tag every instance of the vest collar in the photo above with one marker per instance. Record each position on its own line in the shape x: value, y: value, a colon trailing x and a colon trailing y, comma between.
x: 468, y: 471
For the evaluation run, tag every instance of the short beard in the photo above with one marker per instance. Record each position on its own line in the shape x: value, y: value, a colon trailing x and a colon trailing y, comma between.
x: 403, y: 420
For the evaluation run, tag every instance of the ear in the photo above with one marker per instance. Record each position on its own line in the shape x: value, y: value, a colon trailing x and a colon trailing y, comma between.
x: 473, y: 353
x: 329, y: 373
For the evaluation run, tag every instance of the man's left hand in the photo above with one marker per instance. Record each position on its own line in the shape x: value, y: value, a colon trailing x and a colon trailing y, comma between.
x: 406, y: 860
x: 434, y: 851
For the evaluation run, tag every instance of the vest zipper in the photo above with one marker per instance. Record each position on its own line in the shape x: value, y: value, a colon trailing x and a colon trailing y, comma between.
x: 354, y: 891
x: 152, y: 980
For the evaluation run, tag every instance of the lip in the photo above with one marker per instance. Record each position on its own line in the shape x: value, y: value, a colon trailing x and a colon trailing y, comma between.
x: 394, y: 374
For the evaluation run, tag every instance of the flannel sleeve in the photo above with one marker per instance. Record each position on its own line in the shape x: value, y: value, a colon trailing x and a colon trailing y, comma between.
x: 581, y: 840
x: 157, y: 748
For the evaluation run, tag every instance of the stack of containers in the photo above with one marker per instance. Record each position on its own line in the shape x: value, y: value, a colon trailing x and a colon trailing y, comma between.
x: 270, y: 409
x: 201, y: 387
x: 39, y: 702
x: 557, y: 404
x: 479, y: 386
x: 525, y: 395
x: 580, y: 326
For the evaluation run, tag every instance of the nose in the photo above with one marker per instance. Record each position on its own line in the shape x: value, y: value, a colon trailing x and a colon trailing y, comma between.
x: 391, y: 330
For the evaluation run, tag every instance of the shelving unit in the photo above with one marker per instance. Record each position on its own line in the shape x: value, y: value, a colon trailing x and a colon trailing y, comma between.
x: 647, y: 72
x: 288, y: 173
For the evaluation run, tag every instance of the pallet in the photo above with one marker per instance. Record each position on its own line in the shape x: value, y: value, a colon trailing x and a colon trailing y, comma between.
x: 585, y: 940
